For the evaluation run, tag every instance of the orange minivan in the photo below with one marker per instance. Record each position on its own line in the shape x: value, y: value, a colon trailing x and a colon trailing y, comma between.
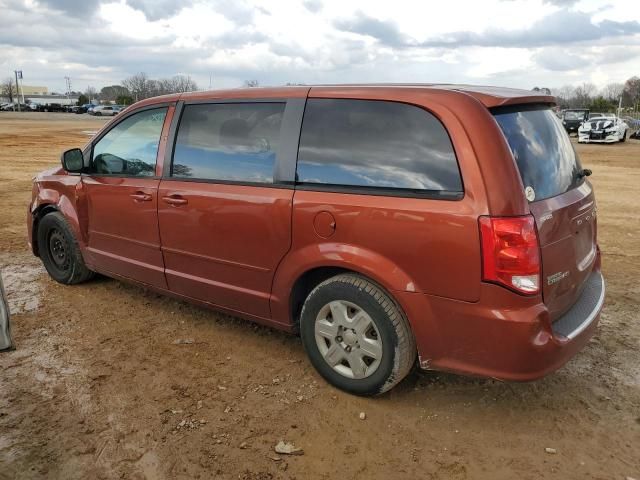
x: 449, y: 227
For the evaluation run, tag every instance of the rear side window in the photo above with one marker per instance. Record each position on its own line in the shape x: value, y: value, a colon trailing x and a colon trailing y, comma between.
x: 228, y: 141
x: 542, y: 150
x: 376, y: 144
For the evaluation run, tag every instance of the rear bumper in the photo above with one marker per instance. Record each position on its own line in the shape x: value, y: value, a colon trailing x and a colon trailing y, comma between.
x: 503, y: 336
x: 584, y: 312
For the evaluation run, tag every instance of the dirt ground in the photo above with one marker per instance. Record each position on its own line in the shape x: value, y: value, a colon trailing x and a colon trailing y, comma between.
x: 105, y: 384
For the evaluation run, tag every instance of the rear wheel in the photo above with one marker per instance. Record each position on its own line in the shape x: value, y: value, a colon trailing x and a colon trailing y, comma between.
x: 59, y: 251
x: 356, y: 336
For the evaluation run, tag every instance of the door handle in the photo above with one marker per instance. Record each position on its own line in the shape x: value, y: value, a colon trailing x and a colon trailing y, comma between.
x: 175, y: 200
x: 141, y: 197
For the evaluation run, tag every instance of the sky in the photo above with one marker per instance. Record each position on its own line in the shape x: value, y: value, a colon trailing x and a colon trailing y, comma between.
x: 222, y: 43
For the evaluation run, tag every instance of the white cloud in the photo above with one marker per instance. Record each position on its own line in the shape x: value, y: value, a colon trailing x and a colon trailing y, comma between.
x: 518, y: 43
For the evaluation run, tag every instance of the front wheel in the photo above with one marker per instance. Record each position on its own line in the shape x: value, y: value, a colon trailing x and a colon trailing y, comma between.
x: 624, y: 136
x: 356, y: 336
x: 59, y: 251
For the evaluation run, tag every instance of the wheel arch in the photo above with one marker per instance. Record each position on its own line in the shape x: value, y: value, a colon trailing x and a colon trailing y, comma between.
x: 60, y: 204
x: 304, y: 269
x: 37, y: 215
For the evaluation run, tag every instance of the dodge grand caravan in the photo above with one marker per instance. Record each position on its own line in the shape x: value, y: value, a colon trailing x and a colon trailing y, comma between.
x: 452, y: 227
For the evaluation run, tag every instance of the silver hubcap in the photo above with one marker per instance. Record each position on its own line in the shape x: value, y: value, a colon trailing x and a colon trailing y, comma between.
x: 348, y: 339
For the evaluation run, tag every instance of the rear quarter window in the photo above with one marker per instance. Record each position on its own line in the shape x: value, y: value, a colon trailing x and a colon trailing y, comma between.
x: 367, y: 144
x: 542, y: 150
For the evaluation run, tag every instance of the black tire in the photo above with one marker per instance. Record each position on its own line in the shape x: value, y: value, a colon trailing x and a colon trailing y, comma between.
x: 398, y: 345
x: 624, y: 137
x: 59, y: 251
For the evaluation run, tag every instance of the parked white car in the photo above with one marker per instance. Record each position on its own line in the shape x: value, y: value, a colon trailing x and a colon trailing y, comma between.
x: 104, y: 110
x: 604, y: 129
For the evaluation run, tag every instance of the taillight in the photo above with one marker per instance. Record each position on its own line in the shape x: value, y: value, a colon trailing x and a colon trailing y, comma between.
x: 511, y: 252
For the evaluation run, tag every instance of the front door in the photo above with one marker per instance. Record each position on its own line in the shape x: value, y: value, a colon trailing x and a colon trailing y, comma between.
x: 122, y: 199
x: 224, y: 224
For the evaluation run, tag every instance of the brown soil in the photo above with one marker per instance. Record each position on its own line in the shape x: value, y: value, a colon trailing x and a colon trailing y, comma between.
x: 99, y: 388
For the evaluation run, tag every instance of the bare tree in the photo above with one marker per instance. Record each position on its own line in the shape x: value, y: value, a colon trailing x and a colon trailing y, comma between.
x: 613, y: 91
x: 155, y: 88
x: 251, y: 83
x: 631, y: 93
x: 183, y: 83
x: 91, y: 92
x: 583, y: 94
x: 564, y: 95
x: 139, y: 85
x: 8, y: 89
x: 589, y: 89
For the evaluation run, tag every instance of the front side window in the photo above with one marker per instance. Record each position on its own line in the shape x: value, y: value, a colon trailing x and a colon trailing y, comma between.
x: 131, y: 147
x: 379, y: 144
x: 234, y: 142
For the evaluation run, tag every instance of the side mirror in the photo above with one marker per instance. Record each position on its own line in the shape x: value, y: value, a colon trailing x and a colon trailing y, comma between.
x: 72, y: 160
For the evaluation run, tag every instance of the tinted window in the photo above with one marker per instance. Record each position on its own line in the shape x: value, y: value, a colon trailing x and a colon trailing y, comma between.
x: 542, y: 150
x: 375, y: 144
x: 233, y: 142
x: 131, y: 147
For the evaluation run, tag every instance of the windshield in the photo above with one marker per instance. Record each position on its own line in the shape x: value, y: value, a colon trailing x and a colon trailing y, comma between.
x: 574, y: 115
x: 542, y: 150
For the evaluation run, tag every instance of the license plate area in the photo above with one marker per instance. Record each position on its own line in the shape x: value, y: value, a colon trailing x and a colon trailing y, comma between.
x: 584, y: 238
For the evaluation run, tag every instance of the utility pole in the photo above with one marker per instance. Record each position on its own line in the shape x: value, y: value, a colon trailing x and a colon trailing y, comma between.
x: 619, y: 106
x: 21, y: 90
x: 68, y: 81
x: 16, y: 72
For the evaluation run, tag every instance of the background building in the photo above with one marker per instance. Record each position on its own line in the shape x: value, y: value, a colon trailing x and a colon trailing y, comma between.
x: 41, y: 96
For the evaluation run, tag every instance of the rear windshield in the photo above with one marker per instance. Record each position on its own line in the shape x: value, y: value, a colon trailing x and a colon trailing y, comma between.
x: 574, y: 115
x: 542, y: 150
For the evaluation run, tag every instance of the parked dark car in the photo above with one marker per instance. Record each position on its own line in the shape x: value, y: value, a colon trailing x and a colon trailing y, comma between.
x: 387, y: 225
x: 10, y: 107
x: 81, y: 108
x: 51, y: 107
x: 572, y: 119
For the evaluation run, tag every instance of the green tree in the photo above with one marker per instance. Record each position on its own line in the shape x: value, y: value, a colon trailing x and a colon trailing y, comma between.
x: 124, y: 100
x: 600, y: 104
x: 112, y: 92
x: 82, y: 99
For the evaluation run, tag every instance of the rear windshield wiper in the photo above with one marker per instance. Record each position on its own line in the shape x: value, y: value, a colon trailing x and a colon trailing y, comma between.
x: 585, y: 172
